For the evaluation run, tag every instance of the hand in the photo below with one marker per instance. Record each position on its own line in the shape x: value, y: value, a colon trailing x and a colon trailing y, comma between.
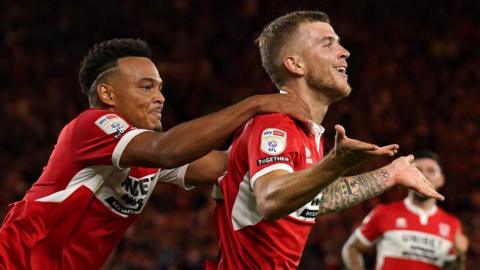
x: 287, y: 103
x: 461, y: 242
x: 351, y: 152
x: 405, y: 173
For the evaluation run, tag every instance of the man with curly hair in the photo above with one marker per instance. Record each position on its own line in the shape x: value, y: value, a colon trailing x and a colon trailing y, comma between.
x: 106, y: 161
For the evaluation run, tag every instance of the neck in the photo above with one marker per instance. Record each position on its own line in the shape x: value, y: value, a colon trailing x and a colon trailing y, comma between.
x: 315, y: 100
x: 421, y: 202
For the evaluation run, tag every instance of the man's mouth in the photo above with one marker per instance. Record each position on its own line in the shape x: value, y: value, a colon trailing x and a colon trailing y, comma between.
x: 342, y: 70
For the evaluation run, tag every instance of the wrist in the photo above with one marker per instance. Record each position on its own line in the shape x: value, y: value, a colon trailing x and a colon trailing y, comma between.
x: 255, y: 104
x: 388, y: 175
x: 334, y: 164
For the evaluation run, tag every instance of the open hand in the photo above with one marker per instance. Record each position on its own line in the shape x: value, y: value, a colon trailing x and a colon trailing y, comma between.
x: 406, y: 174
x: 353, y: 152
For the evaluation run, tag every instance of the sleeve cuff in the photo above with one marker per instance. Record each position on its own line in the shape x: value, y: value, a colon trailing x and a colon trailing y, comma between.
x: 274, y: 167
x: 362, y: 238
x: 122, y: 144
x: 181, y: 172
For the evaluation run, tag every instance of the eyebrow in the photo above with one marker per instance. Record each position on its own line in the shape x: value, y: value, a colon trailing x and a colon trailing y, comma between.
x: 330, y: 38
x: 150, y: 79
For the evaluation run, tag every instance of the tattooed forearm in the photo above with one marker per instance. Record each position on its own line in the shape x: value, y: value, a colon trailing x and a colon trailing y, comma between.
x: 348, y: 191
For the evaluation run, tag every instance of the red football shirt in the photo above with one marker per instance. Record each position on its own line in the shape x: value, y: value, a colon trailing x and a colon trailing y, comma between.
x: 82, y: 204
x: 408, y: 237
x: 246, y: 240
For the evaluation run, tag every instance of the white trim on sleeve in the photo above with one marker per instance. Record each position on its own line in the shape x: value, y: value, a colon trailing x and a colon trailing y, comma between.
x: 175, y: 176
x: 122, y: 144
x: 450, y: 257
x: 274, y: 167
x: 181, y: 172
x: 362, y: 238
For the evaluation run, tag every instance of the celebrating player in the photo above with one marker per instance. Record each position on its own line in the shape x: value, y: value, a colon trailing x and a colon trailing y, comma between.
x: 278, y: 178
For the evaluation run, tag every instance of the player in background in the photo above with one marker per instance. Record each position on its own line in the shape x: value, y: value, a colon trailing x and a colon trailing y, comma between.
x: 278, y: 178
x: 410, y: 234
x: 105, y: 163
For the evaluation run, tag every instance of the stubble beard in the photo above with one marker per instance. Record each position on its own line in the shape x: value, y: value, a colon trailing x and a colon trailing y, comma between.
x: 329, y: 87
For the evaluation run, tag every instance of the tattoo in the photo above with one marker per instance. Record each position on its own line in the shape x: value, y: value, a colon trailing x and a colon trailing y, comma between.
x: 348, y: 191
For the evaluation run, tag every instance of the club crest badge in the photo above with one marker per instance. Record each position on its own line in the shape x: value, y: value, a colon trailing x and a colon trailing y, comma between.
x: 444, y: 229
x: 274, y: 141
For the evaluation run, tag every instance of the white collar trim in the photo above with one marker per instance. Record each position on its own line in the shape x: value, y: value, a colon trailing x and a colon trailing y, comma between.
x: 423, y: 214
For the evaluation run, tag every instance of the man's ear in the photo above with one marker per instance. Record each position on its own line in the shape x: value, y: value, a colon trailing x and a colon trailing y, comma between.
x: 294, y: 64
x: 106, y: 94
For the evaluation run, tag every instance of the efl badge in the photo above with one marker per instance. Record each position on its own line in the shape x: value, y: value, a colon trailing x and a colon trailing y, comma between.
x: 111, y: 123
x: 273, y: 141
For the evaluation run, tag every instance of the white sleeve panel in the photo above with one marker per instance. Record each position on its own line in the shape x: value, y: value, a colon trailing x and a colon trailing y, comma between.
x: 175, y: 176
x: 122, y: 144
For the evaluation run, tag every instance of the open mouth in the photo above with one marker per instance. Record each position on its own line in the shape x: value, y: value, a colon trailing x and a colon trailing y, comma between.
x: 342, y: 70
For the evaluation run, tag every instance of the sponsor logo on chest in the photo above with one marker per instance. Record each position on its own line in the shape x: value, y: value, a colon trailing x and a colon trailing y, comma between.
x: 131, y: 195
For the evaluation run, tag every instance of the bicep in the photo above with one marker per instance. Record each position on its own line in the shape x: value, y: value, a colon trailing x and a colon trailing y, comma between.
x: 207, y: 169
x: 265, y: 182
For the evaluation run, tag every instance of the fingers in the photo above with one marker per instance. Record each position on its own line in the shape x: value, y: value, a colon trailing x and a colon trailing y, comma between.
x: 426, y: 188
x: 388, y: 150
x: 340, y: 133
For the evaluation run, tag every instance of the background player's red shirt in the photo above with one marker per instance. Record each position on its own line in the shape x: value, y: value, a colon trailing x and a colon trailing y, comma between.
x: 82, y: 204
x: 247, y: 241
x: 408, y: 237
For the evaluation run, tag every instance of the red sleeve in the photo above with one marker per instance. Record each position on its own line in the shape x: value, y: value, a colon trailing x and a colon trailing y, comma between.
x: 100, y: 136
x: 371, y: 228
x: 457, y: 227
x: 272, y: 144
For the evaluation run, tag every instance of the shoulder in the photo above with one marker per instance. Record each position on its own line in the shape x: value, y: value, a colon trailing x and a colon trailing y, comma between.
x: 274, y: 121
x: 98, y: 114
x: 274, y: 117
x: 101, y: 119
x: 385, y: 210
x: 448, y: 217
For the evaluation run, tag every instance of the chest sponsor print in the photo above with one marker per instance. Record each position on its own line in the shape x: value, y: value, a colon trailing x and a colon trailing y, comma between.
x: 131, y: 195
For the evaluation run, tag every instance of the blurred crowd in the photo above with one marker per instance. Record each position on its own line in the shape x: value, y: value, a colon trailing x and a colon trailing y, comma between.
x: 413, y: 69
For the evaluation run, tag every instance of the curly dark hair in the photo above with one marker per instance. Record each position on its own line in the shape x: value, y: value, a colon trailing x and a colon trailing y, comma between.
x: 104, y: 56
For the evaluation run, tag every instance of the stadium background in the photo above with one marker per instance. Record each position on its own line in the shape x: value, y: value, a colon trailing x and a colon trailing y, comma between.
x: 413, y: 68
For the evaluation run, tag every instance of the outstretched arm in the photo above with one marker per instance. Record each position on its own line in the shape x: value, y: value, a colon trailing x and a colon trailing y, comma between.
x: 191, y: 140
x: 346, y: 192
x: 279, y: 192
x: 349, y: 191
